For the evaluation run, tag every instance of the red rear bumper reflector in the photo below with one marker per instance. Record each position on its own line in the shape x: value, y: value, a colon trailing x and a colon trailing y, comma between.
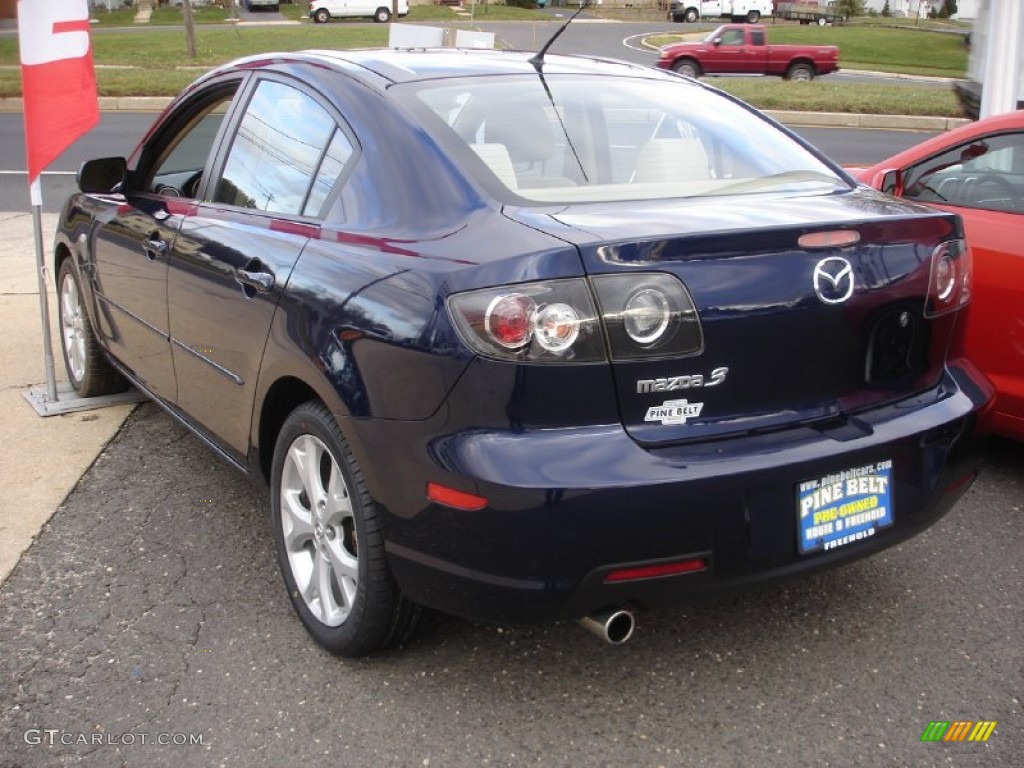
x: 450, y: 497
x: 654, y: 571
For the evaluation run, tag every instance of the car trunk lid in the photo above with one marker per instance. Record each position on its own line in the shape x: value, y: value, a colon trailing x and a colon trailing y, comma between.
x: 810, y: 309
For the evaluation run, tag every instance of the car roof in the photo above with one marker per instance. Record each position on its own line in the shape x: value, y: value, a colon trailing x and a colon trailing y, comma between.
x: 410, y: 65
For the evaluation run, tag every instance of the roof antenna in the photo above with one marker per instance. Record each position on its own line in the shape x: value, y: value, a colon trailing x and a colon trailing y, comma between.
x: 538, y: 59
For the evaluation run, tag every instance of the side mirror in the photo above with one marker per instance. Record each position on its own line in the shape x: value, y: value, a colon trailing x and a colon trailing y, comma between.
x: 103, y: 176
x: 889, y: 181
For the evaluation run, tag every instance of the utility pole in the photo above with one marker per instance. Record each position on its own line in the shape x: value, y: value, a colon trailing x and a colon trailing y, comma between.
x: 190, y: 31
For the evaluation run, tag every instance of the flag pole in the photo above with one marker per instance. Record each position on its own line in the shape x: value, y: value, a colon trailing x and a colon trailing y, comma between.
x: 36, y: 195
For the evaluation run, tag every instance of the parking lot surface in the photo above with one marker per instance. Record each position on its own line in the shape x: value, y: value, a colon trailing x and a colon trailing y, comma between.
x: 148, y: 626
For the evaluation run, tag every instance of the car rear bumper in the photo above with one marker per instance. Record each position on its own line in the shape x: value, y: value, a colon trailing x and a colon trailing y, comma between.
x: 566, y: 507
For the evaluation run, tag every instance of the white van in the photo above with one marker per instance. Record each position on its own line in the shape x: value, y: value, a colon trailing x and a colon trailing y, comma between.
x: 322, y: 11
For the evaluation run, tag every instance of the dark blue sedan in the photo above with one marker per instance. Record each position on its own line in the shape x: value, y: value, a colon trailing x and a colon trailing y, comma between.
x: 524, y: 338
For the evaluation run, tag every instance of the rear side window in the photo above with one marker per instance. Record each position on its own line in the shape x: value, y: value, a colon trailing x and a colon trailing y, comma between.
x: 286, y: 154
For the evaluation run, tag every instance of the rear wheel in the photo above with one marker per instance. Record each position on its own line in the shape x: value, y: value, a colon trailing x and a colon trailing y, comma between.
x: 800, y: 72
x: 687, y: 67
x: 382, y: 15
x: 753, y: 17
x: 329, y: 542
x: 822, y: 21
x: 88, y: 370
x: 321, y: 16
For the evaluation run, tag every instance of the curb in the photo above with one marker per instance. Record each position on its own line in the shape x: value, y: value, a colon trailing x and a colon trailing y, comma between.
x: 788, y: 117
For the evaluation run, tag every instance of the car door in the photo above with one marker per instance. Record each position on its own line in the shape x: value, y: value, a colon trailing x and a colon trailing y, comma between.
x: 132, y: 242
x: 983, y: 181
x: 235, y: 252
x: 728, y: 53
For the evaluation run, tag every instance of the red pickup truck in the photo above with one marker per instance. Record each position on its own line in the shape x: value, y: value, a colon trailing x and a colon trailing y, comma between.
x: 742, y: 49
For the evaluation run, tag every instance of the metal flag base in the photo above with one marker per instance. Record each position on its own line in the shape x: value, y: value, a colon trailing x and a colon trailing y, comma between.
x: 68, y: 402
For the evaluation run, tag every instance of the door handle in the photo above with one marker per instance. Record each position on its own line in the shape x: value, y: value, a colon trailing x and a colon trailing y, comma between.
x: 261, y: 282
x: 154, y: 247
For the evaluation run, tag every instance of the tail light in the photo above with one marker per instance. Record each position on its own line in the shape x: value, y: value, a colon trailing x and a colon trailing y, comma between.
x: 949, y: 285
x: 641, y: 315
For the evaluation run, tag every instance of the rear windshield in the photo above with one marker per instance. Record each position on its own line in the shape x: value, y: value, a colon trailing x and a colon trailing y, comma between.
x: 579, y: 138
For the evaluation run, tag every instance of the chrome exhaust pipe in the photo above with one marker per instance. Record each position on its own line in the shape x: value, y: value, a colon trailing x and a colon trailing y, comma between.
x: 614, y: 626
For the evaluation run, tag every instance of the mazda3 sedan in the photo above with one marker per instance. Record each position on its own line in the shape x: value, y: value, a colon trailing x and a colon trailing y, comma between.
x: 524, y: 338
x: 977, y: 171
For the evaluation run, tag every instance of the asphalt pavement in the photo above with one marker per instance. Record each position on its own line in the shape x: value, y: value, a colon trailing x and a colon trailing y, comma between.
x: 148, y: 626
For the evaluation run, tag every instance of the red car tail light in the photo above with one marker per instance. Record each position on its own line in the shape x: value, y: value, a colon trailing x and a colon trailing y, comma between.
x: 543, y: 322
x: 949, y: 285
x: 643, y: 314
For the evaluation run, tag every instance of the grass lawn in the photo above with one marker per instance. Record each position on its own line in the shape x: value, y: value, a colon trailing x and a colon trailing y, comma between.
x: 154, y: 62
x: 826, y: 96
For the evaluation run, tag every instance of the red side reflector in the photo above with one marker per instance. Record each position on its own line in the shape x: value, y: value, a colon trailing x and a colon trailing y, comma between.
x: 654, y: 571
x: 961, y: 484
x: 450, y: 497
x: 835, y: 238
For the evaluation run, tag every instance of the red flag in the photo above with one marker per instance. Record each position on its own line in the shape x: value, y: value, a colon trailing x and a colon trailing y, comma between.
x: 57, y: 76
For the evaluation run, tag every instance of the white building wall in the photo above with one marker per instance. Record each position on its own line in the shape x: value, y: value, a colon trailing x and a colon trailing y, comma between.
x: 966, y: 9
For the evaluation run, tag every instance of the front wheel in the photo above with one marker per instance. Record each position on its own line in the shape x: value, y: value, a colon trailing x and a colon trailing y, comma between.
x: 822, y: 21
x: 691, y: 15
x: 753, y: 17
x: 383, y: 15
x: 687, y: 67
x: 329, y: 541
x: 88, y: 370
x: 800, y: 73
x: 321, y: 16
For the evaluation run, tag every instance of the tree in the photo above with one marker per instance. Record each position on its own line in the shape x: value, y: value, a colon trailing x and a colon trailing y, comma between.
x: 850, y: 8
x: 886, y: 10
x: 948, y: 9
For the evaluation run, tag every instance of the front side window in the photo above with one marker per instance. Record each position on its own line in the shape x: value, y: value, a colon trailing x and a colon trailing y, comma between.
x: 731, y: 37
x: 179, y: 152
x: 582, y: 138
x: 285, y: 155
x: 986, y: 173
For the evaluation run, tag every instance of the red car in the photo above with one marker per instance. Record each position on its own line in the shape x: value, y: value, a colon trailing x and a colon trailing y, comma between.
x: 977, y: 171
x: 743, y: 49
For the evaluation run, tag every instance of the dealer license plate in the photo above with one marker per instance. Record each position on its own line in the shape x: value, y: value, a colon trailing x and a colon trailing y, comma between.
x: 844, y: 507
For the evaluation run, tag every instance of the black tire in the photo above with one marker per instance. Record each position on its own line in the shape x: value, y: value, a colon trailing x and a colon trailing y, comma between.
x: 321, y: 16
x: 382, y: 15
x: 822, y: 21
x: 753, y: 17
x: 339, y: 537
x: 691, y: 15
x: 687, y: 67
x: 88, y: 369
x: 800, y: 72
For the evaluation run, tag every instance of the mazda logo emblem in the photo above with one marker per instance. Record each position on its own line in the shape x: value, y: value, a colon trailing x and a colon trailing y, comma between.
x: 833, y: 280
